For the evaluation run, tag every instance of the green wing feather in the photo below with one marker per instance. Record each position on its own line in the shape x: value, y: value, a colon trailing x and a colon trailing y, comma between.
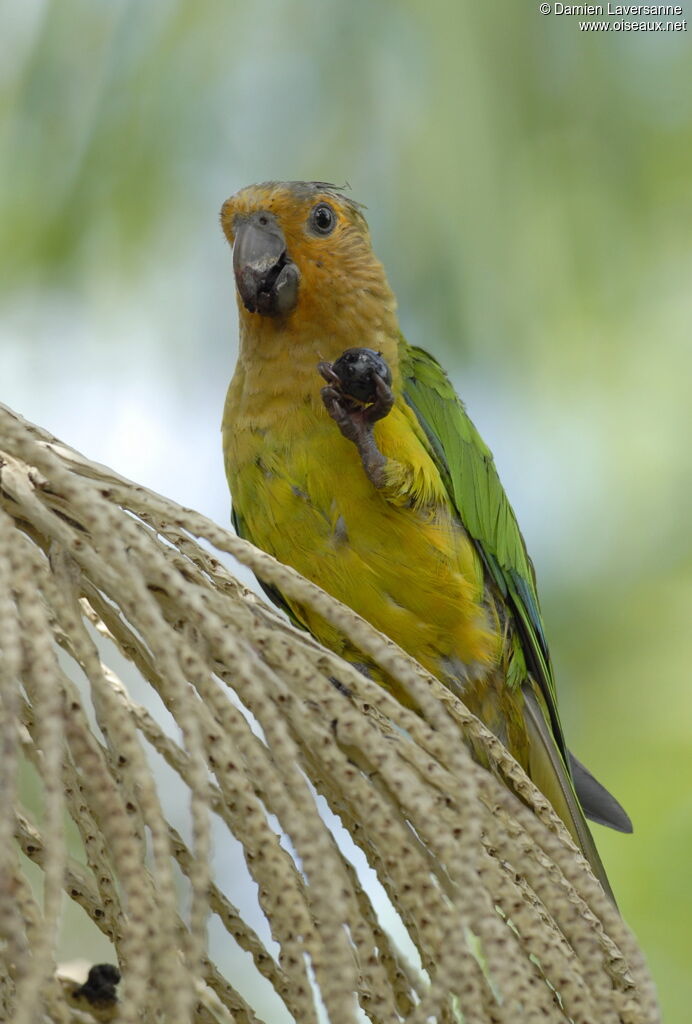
x: 469, y: 473
x: 468, y: 470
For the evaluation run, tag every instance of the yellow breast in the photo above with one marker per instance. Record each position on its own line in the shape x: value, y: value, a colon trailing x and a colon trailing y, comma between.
x: 406, y: 565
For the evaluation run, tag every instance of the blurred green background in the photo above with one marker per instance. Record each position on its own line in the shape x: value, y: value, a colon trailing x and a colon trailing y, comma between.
x: 528, y: 189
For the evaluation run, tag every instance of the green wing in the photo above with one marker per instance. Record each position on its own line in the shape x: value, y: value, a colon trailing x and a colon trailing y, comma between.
x: 467, y: 467
x: 469, y: 473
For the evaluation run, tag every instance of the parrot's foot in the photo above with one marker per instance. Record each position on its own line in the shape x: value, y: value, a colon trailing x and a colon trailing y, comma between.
x: 355, y: 420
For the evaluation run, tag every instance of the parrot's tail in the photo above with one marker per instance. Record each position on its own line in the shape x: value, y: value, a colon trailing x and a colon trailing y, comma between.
x: 598, y: 804
x: 550, y: 774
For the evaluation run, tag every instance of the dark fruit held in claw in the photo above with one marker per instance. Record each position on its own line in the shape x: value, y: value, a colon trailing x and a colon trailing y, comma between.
x: 356, y: 369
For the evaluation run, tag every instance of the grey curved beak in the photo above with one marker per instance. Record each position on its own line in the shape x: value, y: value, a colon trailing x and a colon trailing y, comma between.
x: 266, y: 278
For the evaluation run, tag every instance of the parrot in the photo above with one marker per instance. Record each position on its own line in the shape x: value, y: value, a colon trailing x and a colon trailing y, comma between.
x: 350, y: 457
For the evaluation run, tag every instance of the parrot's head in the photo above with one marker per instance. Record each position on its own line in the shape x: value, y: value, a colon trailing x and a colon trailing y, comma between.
x: 302, y: 258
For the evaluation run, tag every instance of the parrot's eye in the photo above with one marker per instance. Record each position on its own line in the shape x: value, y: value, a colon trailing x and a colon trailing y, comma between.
x: 322, y: 219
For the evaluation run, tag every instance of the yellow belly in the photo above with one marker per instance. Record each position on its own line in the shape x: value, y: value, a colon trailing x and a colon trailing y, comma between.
x: 410, y: 571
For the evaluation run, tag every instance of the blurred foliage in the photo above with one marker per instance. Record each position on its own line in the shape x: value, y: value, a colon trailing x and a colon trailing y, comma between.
x: 528, y: 191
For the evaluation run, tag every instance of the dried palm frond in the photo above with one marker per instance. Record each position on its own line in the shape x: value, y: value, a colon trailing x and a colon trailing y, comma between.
x: 505, y: 916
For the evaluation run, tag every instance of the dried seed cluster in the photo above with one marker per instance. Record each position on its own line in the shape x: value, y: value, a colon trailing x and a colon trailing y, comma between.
x: 508, y: 921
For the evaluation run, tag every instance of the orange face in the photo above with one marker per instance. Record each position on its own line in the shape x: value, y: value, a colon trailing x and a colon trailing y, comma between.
x: 300, y: 250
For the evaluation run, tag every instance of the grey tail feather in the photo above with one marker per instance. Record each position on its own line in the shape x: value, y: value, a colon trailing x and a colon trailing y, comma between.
x: 540, y: 732
x: 599, y: 805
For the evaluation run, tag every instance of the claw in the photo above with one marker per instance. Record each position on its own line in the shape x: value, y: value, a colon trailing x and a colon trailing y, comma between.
x: 384, y: 400
x: 349, y: 422
x: 326, y: 370
x: 358, y: 394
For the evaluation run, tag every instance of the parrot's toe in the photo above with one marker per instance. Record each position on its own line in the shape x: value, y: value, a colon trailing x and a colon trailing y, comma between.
x: 359, y: 390
x: 348, y: 418
x: 382, y: 402
x: 355, y: 421
x: 326, y: 370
